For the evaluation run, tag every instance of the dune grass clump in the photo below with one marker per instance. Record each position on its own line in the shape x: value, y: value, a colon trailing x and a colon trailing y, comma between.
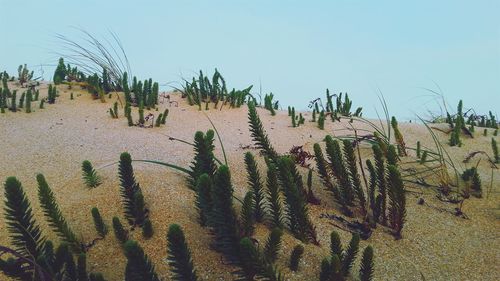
x: 131, y: 193
x: 54, y: 216
x: 89, y: 175
x: 204, y: 160
x: 100, y: 226
x: 179, y: 256
x: 269, y: 104
x: 202, y: 91
x: 139, y: 266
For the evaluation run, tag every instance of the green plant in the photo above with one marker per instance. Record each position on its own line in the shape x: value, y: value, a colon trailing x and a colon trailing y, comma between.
x: 223, y: 217
x: 372, y: 187
x: 335, y: 245
x: 60, y: 72
x: 254, y: 265
x: 314, y: 115
x: 81, y: 267
x: 13, y: 106
x: 274, y: 207
x: 132, y: 199
x: 26, y: 235
x: 423, y: 159
x: 247, y: 215
x: 418, y: 150
x: 54, y: 215
x: 397, y: 200
x: 42, y: 101
x: 273, y: 244
x: 349, y: 255
x: 29, y: 98
x: 258, y: 133
x: 339, y: 170
x: 323, y: 170
x: 203, y: 199
x: 350, y: 158
x: 114, y: 111
x: 269, y: 104
x: 89, y: 175
x: 295, y: 257
x: 398, y: 136
x: 367, y: 265
x: 457, y: 127
x: 164, y: 116
x: 138, y: 267
x: 147, y: 229
x: 321, y: 120
x: 472, y: 179
x: 24, y: 74
x: 299, y: 223
x: 21, y: 100
x: 158, y: 120
x: 204, y: 160
x: 52, y: 94
x: 381, y: 183
x: 141, y: 113
x: 294, y: 118
x: 255, y: 183
x: 120, y: 233
x: 179, y: 256
x: 128, y: 114
x: 495, y: 150
x: 99, y: 224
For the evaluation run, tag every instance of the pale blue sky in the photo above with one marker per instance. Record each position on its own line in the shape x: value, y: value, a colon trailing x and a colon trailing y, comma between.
x: 296, y: 49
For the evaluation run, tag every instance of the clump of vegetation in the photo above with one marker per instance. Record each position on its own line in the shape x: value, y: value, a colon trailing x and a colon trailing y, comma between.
x: 254, y: 264
x: 269, y: 104
x: 89, y: 175
x: 273, y: 244
x: 203, y: 90
x: 29, y: 98
x: 147, y: 229
x: 295, y: 257
x: 495, y: 150
x: 258, y: 134
x: 321, y: 120
x: 255, y: 183
x: 367, y: 265
x: 133, y: 201
x: 54, y: 215
x: 99, y: 224
x: 21, y: 100
x: 274, y: 207
x: 139, y: 266
x: 294, y: 117
x: 114, y: 111
x: 60, y: 72
x: 472, y: 182
x: 179, y: 255
x: 399, y: 137
x: 24, y: 75
x: 120, y: 233
x: 52, y: 94
x: 42, y: 101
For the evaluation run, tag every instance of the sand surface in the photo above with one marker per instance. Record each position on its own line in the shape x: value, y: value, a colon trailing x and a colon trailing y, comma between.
x: 54, y: 141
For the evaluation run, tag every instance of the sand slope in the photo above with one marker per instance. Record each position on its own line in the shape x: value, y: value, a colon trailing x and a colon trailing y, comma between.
x: 54, y: 141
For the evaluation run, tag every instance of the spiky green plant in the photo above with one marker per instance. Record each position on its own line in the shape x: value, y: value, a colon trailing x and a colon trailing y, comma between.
x: 254, y: 265
x: 71, y: 97
x: 495, y: 133
x: 273, y: 244
x: 120, y: 233
x: 274, y: 207
x: 29, y: 98
x: 255, y: 183
x: 179, y: 256
x: 225, y: 222
x: 147, y: 229
x: 54, y: 215
x: 289, y: 110
x: 25, y: 234
x: 295, y: 257
x: 89, y: 175
x: 100, y: 226
x: 397, y: 200
x: 258, y: 133
x: 339, y: 170
x: 335, y: 245
x: 138, y: 267
x: 204, y: 160
x: 322, y: 167
x: 42, y: 101
x: 350, y: 158
x: 349, y: 255
x: 381, y: 182
x: 321, y: 120
x: 326, y: 270
x: 423, y: 159
x: 372, y: 187
x: 485, y: 132
x: 141, y: 113
x: 13, y: 106
x: 130, y: 191
x: 158, y: 120
x: 247, y: 215
x: 60, y: 72
x: 298, y: 216
x: 313, y: 115
x: 203, y: 200
x: 21, y: 100
x: 164, y: 116
x: 81, y: 267
x: 495, y: 150
x: 398, y: 136
x: 418, y: 149
x: 52, y: 93
x: 392, y: 155
x: 301, y: 119
x: 367, y: 265
x: 128, y: 114
x: 294, y: 118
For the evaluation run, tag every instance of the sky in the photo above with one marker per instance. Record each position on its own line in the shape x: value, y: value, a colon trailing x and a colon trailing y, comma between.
x: 294, y: 49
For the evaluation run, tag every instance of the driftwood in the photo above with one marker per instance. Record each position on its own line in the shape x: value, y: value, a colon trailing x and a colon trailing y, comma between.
x: 362, y: 229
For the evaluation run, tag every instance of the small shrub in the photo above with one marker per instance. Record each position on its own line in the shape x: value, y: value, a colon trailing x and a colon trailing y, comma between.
x: 179, y: 255
x: 89, y: 175
x: 138, y: 267
x: 120, y: 233
x: 99, y: 224
x: 295, y: 257
x: 164, y: 116
x: 147, y: 229
x: 273, y: 244
x: 367, y: 265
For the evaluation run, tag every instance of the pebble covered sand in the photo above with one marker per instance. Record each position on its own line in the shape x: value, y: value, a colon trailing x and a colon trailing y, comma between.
x: 436, y: 244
